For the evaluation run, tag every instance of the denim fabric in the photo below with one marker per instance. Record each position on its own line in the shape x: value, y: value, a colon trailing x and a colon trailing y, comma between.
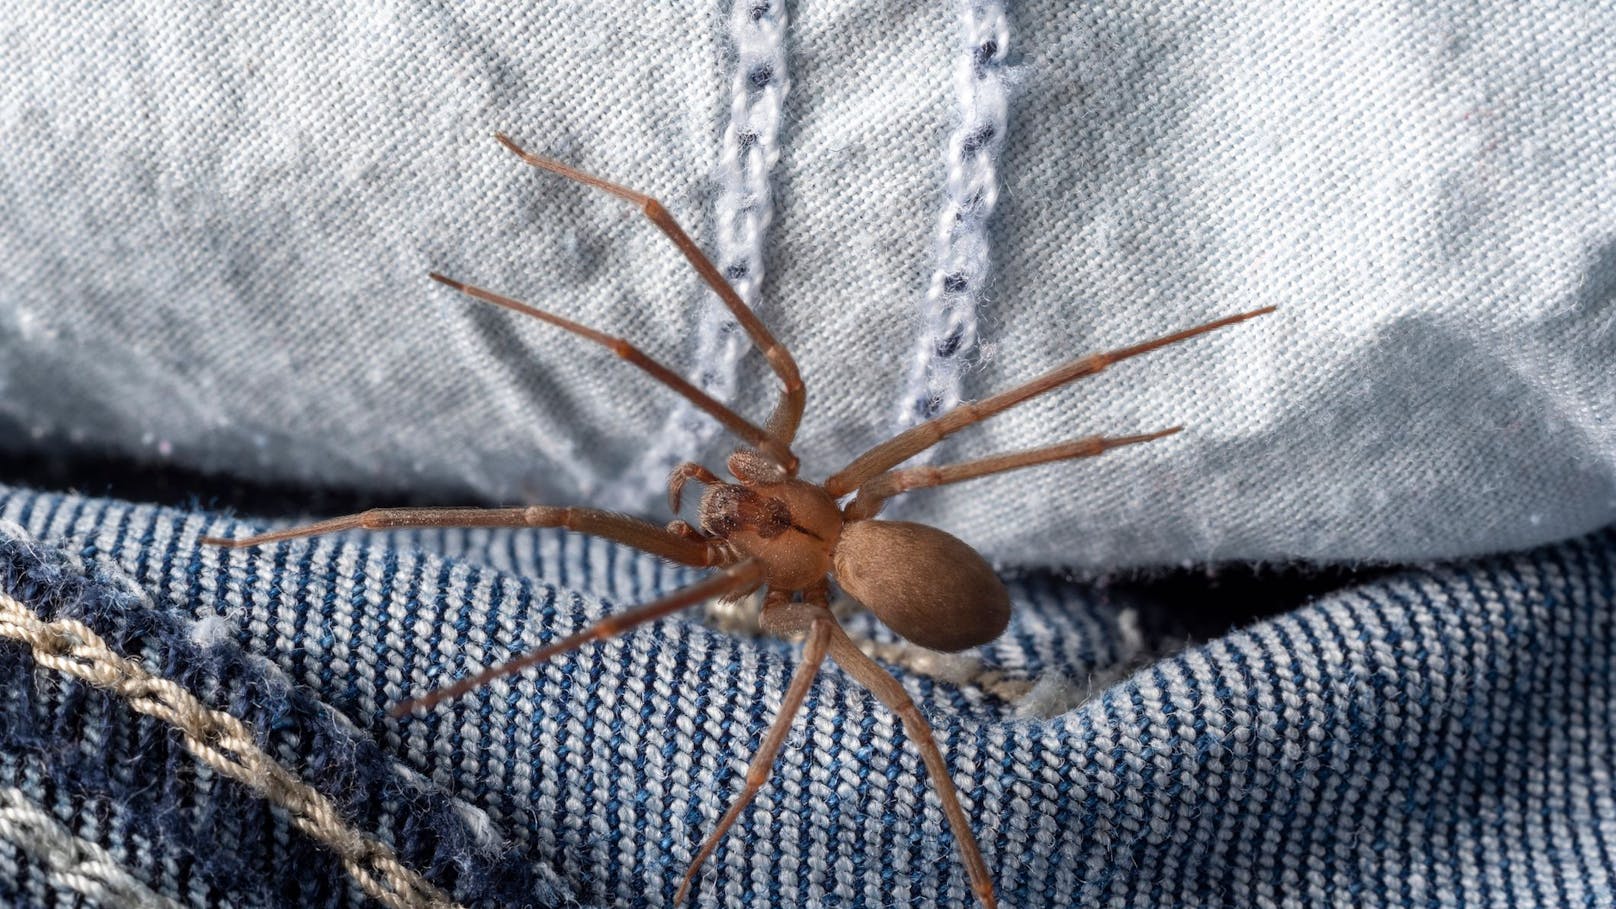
x: 1435, y: 737
x: 216, y: 224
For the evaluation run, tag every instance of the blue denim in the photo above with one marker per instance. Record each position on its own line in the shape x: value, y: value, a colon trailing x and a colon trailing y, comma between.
x: 1439, y: 736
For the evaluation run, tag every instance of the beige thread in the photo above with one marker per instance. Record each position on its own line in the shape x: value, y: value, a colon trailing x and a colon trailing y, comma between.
x: 70, y: 861
x: 224, y: 743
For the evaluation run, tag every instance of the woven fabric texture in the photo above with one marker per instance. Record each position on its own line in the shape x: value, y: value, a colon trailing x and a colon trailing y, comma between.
x: 1438, y: 737
x: 217, y: 225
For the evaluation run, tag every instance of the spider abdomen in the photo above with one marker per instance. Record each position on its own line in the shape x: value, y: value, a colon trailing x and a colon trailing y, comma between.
x: 925, y: 584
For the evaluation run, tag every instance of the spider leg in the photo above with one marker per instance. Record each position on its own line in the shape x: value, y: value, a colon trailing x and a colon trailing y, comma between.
x: 793, y: 394
x: 872, y: 495
x: 888, y: 691
x: 757, y: 773
x: 683, y: 474
x: 746, y: 429
x: 733, y: 579
x: 634, y: 532
x: 683, y: 529
x: 916, y: 439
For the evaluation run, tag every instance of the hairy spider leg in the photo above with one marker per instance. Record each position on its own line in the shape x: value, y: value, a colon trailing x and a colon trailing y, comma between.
x: 787, y: 415
x: 642, y: 535
x: 762, y: 765
x: 782, y: 616
x: 736, y: 423
x: 891, y: 693
x: 734, y: 579
x: 874, y: 494
x: 913, y: 441
x: 683, y: 474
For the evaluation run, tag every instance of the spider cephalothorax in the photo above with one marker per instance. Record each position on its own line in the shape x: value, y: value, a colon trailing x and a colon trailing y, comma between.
x: 789, y: 536
x: 944, y: 597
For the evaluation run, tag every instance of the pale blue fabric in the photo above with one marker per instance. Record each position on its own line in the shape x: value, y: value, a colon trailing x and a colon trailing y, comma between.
x: 216, y: 227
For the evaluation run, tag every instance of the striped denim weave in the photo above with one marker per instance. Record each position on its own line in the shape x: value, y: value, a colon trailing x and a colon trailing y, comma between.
x: 1437, y: 737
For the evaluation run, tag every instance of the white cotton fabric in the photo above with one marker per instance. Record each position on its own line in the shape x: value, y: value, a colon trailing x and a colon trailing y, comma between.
x: 215, y: 225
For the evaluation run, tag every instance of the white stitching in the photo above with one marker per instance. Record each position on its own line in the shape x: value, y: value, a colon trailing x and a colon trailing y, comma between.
x: 948, y: 311
x: 744, y: 210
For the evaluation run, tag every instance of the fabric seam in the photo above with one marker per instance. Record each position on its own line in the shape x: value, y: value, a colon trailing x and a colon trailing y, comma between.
x: 971, y: 190
x: 69, y: 860
x: 223, y: 742
x: 744, y: 211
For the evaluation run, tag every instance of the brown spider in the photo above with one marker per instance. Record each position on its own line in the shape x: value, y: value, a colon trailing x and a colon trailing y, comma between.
x: 790, y: 536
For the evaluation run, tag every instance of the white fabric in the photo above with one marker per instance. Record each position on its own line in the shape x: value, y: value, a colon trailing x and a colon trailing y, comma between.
x: 216, y: 223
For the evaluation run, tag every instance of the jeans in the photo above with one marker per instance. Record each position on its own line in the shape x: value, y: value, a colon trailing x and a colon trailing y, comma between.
x: 1438, y: 736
